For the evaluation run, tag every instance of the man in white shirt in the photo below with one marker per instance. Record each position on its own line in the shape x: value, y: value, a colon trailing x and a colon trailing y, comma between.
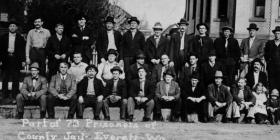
x: 78, y: 68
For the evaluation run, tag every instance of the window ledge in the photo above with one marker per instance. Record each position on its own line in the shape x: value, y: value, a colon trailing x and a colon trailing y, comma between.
x: 220, y: 19
x: 257, y: 19
x: 277, y: 20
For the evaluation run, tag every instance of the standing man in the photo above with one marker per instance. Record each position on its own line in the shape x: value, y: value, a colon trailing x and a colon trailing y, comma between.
x: 201, y: 44
x: 62, y: 91
x: 133, y: 42
x: 58, y: 49
x: 228, y: 53
x: 12, y: 57
x: 156, y: 45
x: 36, y: 43
x: 82, y: 38
x: 272, y: 57
x: 108, y: 39
x: 33, y: 91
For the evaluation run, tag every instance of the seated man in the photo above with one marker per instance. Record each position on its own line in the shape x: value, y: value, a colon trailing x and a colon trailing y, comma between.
x: 255, y: 75
x: 33, y: 91
x: 141, y: 94
x: 116, y: 94
x: 78, y: 67
x: 220, y: 99
x: 243, y: 99
x: 194, y: 98
x: 168, y: 95
x: 132, y: 69
x: 62, y: 91
x: 90, y: 93
x: 273, y: 107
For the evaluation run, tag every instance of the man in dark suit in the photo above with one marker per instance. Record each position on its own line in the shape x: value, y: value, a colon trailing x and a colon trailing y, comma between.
x: 185, y: 76
x: 228, y: 53
x: 58, y: 49
x: 179, y: 46
x: 116, y: 94
x: 12, y: 57
x: 90, y: 93
x: 62, y: 91
x: 141, y: 94
x: 255, y: 75
x: 133, y: 42
x: 201, y: 44
x: 272, y: 57
x: 33, y: 91
x: 108, y: 39
x: 82, y: 38
x: 156, y: 45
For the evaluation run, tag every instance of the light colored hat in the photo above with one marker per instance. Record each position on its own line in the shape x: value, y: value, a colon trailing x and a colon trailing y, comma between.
x: 219, y: 74
x: 35, y: 65
x: 157, y: 26
x: 275, y: 92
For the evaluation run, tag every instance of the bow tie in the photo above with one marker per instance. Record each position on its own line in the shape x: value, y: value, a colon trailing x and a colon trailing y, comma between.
x: 34, y: 78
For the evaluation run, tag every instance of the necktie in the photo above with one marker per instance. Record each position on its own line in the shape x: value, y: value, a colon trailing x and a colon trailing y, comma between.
x: 226, y: 44
x: 201, y: 42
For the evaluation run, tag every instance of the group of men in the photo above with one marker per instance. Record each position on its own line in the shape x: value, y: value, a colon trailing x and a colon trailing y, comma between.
x: 191, y: 74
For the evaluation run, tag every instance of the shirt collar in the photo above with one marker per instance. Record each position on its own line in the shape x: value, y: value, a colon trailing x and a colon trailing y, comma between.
x: 39, y: 30
x: 63, y: 76
x: 12, y: 34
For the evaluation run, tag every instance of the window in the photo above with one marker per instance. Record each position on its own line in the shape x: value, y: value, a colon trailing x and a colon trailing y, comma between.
x: 259, y: 8
x: 222, y: 9
x: 279, y: 9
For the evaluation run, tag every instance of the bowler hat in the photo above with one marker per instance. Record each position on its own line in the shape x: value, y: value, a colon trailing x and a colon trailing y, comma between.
x: 13, y: 21
x: 157, y: 26
x: 227, y: 28
x: 89, y: 67
x: 202, y: 24
x: 116, y: 68
x: 212, y: 53
x: 277, y: 28
x: 110, y: 19
x: 183, y: 21
x: 133, y: 19
x: 141, y: 56
x: 143, y: 67
x: 219, y: 74
x: 275, y: 92
x: 35, y: 65
x: 253, y: 26
x: 195, y: 75
x: 169, y: 72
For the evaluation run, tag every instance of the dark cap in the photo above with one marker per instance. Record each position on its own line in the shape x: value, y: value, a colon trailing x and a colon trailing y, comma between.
x: 116, y: 68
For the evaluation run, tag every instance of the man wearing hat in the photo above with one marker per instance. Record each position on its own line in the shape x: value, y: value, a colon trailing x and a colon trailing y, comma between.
x: 194, y: 99
x: 107, y: 39
x: 228, y: 53
x: 33, y: 91
x: 168, y: 96
x: 201, y: 44
x: 141, y: 95
x: 82, y: 38
x: 273, y: 107
x: 12, y: 58
x: 255, y: 75
x: 140, y: 62
x: 133, y: 42
x: 90, y: 93
x: 115, y: 94
x: 179, y: 46
x: 220, y: 98
x: 104, y: 69
x: 156, y: 45
x: 272, y: 57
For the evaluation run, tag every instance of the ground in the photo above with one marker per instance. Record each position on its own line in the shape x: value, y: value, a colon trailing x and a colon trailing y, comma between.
x: 11, y: 129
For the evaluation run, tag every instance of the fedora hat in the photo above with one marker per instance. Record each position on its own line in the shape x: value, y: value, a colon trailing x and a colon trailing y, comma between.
x: 116, y: 68
x: 275, y: 92
x: 133, y: 19
x: 195, y: 75
x: 34, y: 65
x: 112, y: 51
x: 141, y: 56
x: 253, y: 26
x: 219, y: 74
x: 202, y: 24
x: 277, y: 28
x: 13, y: 21
x: 212, y: 53
x: 110, y: 19
x: 183, y: 21
x: 157, y: 26
x: 227, y: 28
x: 169, y: 72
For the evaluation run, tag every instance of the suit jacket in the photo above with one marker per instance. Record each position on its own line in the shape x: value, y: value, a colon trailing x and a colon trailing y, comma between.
x: 271, y: 53
x: 174, y: 90
x: 102, y: 42
x: 132, y: 72
x: 257, y: 49
x: 130, y: 47
x: 229, y: 55
x: 198, y: 92
x: 186, y: 73
x: 248, y: 96
x: 55, y: 84
x: 83, y: 85
x: 54, y: 46
x: 121, y: 88
x: 154, y: 52
x: 149, y: 89
x: 222, y: 96
x: 207, y: 72
x: 19, y: 51
x: 40, y: 88
x: 251, y: 81
x: 174, y: 48
x: 157, y: 72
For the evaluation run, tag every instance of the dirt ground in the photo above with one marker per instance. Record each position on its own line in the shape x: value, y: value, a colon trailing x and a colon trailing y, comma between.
x: 11, y: 129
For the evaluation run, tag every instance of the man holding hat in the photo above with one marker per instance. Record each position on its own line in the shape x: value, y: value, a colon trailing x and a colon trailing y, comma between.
x: 272, y: 57
x: 220, y: 98
x: 107, y: 39
x: 116, y: 94
x: 33, y: 91
x: 12, y: 58
x: 156, y: 45
x: 133, y: 42
x: 255, y: 75
x: 228, y: 53
x: 82, y: 38
x: 201, y: 44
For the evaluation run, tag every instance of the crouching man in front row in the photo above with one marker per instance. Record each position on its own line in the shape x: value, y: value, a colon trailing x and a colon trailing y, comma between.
x: 90, y: 92
x: 141, y: 92
x: 33, y: 91
x: 62, y: 91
